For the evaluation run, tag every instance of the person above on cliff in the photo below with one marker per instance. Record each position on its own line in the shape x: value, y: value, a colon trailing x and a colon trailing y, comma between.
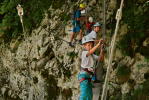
x: 93, y: 33
x: 89, y: 25
x: 76, y: 24
x: 87, y: 67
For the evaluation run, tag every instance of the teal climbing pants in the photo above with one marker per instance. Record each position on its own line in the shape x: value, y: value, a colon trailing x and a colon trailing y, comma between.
x: 85, y: 87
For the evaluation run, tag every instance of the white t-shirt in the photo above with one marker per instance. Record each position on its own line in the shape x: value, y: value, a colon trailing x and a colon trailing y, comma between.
x: 87, y: 61
x: 92, y: 35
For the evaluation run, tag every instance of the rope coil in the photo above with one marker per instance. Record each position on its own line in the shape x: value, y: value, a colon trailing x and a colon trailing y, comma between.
x: 21, y: 13
x: 118, y: 15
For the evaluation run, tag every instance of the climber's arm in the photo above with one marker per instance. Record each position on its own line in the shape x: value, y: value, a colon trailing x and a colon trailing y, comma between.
x: 94, y: 48
x: 101, y: 55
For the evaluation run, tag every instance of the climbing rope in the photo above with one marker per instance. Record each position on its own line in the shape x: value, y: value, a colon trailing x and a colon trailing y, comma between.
x: 118, y: 18
x: 104, y: 27
x: 21, y: 13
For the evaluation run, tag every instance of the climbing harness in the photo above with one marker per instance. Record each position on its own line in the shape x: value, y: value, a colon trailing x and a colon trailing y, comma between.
x: 118, y: 18
x: 20, y: 13
x: 81, y: 80
x: 86, y: 70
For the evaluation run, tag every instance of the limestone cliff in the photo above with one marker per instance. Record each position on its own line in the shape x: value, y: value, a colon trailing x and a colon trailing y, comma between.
x: 41, y: 66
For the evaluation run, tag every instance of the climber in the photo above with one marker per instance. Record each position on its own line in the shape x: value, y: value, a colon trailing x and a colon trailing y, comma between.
x: 93, y: 33
x: 76, y: 24
x: 89, y: 25
x: 87, y: 66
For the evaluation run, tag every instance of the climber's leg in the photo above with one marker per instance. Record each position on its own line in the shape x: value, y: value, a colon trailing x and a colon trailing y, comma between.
x: 72, y: 36
x: 80, y: 35
x: 85, y: 87
x: 74, y: 31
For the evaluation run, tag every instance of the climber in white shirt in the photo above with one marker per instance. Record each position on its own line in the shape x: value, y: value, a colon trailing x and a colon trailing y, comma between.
x: 87, y: 66
x: 93, y: 33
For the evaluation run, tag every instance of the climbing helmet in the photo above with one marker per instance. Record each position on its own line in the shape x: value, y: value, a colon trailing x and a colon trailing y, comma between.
x: 86, y: 39
x: 82, y: 5
x: 97, y: 24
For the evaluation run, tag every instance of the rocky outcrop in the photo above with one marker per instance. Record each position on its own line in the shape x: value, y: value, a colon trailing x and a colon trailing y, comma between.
x: 42, y: 66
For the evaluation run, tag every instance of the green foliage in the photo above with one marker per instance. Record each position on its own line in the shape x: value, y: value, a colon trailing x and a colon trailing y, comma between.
x: 146, y: 3
x: 142, y: 92
x: 127, y: 97
x: 33, y: 14
x: 145, y: 64
x: 67, y: 73
x: 9, y: 21
x: 57, y: 3
x: 122, y: 70
x: 72, y: 54
x: 147, y: 60
x: 116, y: 97
x: 64, y: 17
x: 144, y: 51
x: 136, y: 17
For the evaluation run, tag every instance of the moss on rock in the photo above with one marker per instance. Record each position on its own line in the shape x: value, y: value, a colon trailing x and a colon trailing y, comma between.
x: 123, y: 73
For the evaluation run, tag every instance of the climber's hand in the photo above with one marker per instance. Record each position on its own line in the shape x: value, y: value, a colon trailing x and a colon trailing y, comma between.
x: 91, y: 69
x: 102, y: 48
x: 101, y: 41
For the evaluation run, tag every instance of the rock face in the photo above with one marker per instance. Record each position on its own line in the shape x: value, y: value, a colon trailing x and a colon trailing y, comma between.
x: 43, y: 67
x: 40, y: 69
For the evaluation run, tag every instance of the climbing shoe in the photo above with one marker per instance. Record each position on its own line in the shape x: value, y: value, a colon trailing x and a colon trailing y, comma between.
x: 80, y: 41
x: 71, y: 44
